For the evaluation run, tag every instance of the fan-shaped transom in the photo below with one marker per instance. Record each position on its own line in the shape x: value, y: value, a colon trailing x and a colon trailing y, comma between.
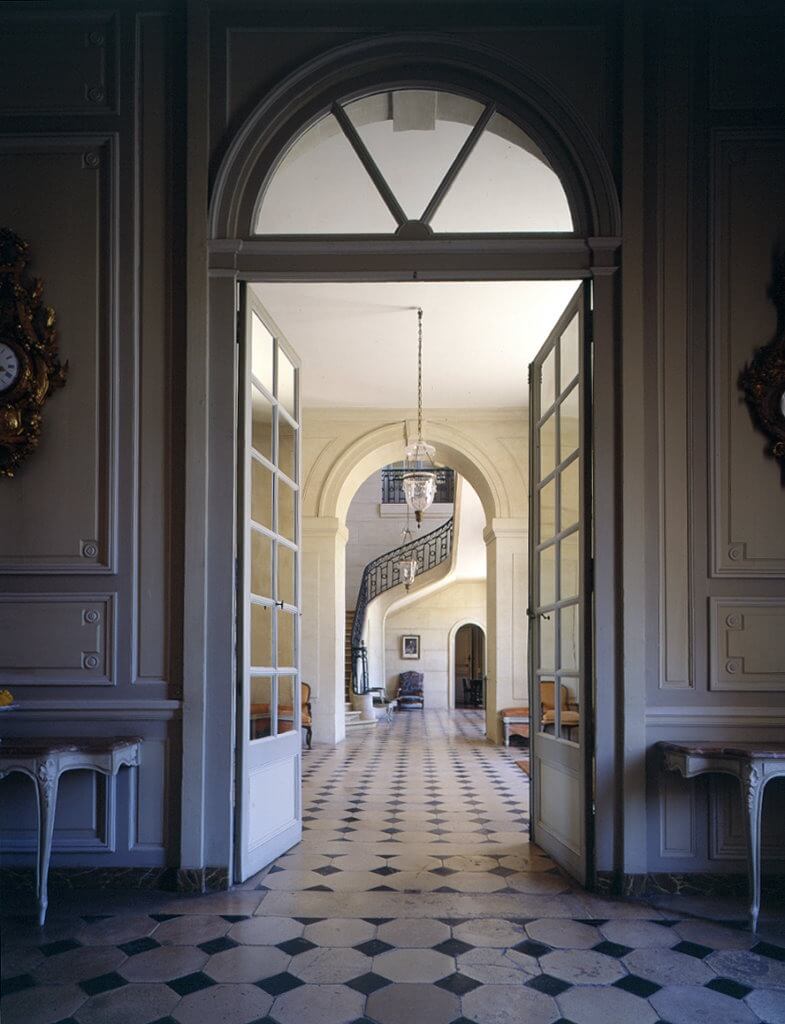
x: 413, y: 163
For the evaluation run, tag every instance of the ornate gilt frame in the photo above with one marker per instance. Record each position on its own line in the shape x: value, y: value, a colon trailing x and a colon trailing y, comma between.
x: 763, y: 379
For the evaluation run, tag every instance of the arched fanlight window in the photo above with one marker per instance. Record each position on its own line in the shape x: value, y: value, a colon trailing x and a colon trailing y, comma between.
x: 413, y: 162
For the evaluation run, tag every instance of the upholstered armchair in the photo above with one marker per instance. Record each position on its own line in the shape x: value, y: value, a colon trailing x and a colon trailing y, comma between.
x: 410, y: 690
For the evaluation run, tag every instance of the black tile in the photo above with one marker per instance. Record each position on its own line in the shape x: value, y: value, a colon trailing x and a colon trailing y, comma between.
x: 462, y: 1020
x: 548, y: 984
x: 368, y: 983
x: 165, y: 1020
x: 279, y: 983
x: 596, y: 922
x: 318, y: 888
x: 190, y: 983
x: 295, y: 946
x: 693, y: 949
x: 637, y: 986
x: 378, y: 920
x: 91, y: 918
x: 328, y: 869
x: 770, y: 950
x: 234, y: 918
x: 728, y: 987
x: 139, y: 946
x: 373, y: 947
x: 103, y: 983
x: 164, y: 917
x: 219, y: 945
x: 382, y: 888
x: 69, y: 1020
x: 308, y: 920
x: 386, y: 870
x: 453, y: 947
x: 458, y: 984
x: 17, y: 983
x: 612, y: 949
x: 443, y: 871
x: 532, y: 948
x: 564, y: 1020
x: 276, y: 867
x: 53, y: 948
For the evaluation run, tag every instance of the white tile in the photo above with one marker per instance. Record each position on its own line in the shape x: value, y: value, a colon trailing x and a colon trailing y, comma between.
x: 509, y: 1004
x: 607, y: 1006
x: 690, y: 1004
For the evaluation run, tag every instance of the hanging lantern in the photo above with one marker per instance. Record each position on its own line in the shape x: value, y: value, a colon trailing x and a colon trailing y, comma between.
x: 419, y: 480
x: 407, y: 566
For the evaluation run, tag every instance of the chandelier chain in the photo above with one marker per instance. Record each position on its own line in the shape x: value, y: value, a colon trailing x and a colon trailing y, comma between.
x: 419, y: 374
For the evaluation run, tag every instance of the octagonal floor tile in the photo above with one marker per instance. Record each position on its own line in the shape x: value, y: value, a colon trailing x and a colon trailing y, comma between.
x: 328, y: 966
x: 413, y: 1004
x: 223, y: 1004
x: 509, y: 1004
x: 247, y: 964
x: 319, y: 1004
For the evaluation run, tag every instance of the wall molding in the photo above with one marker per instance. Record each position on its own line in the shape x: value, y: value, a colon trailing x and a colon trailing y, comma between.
x: 729, y: 619
x: 740, y: 717
x: 98, y: 710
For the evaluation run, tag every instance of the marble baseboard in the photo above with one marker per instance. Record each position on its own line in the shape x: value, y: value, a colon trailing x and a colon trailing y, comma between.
x: 24, y: 879
x: 683, y: 884
x: 199, y: 880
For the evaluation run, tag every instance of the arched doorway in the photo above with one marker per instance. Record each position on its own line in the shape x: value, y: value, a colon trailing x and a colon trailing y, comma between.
x: 467, y: 678
x: 240, y: 253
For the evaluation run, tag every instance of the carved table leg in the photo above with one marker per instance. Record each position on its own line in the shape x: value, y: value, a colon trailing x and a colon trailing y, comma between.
x: 752, y: 785
x: 47, y: 778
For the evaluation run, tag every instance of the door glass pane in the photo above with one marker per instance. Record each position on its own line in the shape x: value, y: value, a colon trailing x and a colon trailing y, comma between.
x: 505, y: 185
x: 261, y: 352
x: 286, y: 638
x: 413, y: 136
x: 261, y: 424
x: 261, y: 704
x: 569, y: 575
x: 261, y: 616
x: 548, y: 387
x: 261, y: 565
x: 287, y: 503
x: 547, y: 641
x: 569, y: 638
x: 570, y: 494
x: 569, y: 353
x: 287, y: 446
x: 286, y: 383
x: 261, y: 494
x: 548, y: 446
x: 570, y: 716
x: 285, y: 590
x: 569, y: 423
x: 548, y: 575
x: 286, y: 709
x: 548, y: 510
x: 548, y: 690
x: 321, y: 187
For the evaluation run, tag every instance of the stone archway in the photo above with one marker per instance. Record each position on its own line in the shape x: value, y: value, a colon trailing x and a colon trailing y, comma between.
x: 331, y: 482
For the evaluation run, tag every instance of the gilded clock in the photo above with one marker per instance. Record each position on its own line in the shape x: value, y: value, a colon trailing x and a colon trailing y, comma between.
x: 30, y: 366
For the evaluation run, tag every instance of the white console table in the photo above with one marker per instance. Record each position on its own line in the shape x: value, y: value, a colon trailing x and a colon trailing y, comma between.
x: 44, y: 761
x: 754, y: 765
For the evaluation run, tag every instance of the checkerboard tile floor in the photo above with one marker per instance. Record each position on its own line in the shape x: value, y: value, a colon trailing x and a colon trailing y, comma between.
x: 413, y: 897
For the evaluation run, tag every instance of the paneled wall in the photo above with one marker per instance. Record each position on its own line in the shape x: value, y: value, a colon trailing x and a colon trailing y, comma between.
x: 90, y: 527
x: 714, y: 105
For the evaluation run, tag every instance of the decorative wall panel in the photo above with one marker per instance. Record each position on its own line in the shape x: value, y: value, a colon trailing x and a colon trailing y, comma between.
x: 57, y: 639
x: 747, y: 498
x: 149, y: 797
x: 56, y: 514
x: 748, y: 644
x: 85, y: 814
x: 726, y: 821
x: 745, y: 60
x: 74, y: 55
x: 677, y: 817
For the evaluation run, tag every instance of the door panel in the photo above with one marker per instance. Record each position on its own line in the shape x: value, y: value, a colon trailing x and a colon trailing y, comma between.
x: 560, y: 608
x: 269, y: 731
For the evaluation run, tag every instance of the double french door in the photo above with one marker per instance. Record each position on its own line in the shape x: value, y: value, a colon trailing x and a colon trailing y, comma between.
x: 269, y: 704
x: 560, y: 579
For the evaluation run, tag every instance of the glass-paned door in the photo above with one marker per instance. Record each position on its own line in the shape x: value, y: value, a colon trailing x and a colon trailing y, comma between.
x: 269, y: 707
x: 560, y: 607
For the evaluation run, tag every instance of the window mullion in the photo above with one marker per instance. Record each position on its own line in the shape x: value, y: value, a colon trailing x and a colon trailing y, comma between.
x: 369, y: 164
x: 455, y: 167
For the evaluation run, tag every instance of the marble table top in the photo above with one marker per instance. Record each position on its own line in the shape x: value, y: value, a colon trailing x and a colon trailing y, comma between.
x: 44, y: 746
x: 772, y: 751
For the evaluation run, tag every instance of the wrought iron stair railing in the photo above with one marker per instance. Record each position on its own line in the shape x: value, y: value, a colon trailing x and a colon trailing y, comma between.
x: 383, y: 574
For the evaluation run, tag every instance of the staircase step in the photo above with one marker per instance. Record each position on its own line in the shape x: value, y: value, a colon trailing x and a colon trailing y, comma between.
x: 360, y: 723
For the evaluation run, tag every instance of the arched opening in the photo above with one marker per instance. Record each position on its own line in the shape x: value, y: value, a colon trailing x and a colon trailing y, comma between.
x: 545, y: 134
x: 467, y: 679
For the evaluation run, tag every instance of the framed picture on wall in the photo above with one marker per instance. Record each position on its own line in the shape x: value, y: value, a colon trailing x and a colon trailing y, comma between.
x: 410, y: 646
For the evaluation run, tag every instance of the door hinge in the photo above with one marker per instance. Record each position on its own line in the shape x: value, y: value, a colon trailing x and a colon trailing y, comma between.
x: 239, y: 327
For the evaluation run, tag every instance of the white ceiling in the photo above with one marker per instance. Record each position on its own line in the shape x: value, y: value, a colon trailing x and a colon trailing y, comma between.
x: 358, y: 341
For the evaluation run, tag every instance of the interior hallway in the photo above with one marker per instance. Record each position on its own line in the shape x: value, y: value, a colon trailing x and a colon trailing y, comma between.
x: 414, y: 897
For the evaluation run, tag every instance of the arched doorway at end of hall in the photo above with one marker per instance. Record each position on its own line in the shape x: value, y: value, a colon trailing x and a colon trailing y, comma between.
x: 467, y: 660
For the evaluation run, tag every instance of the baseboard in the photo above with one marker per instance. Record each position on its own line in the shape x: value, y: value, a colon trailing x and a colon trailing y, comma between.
x: 190, y: 880
x: 609, y: 883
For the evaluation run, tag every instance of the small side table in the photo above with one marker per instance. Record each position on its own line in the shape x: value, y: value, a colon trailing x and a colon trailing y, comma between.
x: 754, y: 765
x: 44, y: 760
